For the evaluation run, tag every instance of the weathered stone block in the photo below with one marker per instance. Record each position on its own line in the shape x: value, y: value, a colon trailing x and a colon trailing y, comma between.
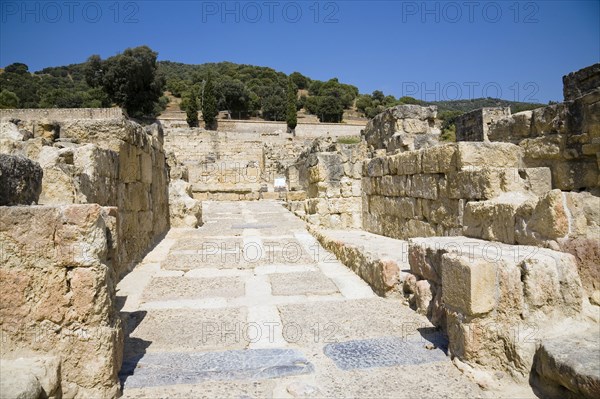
x: 20, y: 180
x: 408, y: 163
x: 469, y: 284
x: 494, y: 219
x: 580, y: 82
x: 511, y: 128
x: 439, y: 159
x: 424, y: 186
x: 501, y: 155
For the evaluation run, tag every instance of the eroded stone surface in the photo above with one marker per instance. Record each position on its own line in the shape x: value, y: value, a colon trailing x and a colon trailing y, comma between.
x: 381, y: 352
x: 190, y: 368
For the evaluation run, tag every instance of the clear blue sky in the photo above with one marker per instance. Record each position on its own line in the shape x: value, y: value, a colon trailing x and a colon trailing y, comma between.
x: 433, y: 50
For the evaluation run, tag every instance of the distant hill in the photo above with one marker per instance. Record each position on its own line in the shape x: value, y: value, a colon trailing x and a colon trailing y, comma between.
x: 245, y: 90
x: 469, y: 105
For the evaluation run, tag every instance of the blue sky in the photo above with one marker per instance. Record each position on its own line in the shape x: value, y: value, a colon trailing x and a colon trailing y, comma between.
x: 434, y: 50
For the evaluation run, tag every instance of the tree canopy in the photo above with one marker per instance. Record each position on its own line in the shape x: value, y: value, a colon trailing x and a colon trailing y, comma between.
x: 129, y: 79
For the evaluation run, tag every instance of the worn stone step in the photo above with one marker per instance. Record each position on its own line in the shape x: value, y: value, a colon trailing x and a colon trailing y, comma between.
x: 568, y: 367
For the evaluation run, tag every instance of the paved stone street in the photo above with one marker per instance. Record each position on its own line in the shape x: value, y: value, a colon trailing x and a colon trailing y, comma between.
x: 250, y: 305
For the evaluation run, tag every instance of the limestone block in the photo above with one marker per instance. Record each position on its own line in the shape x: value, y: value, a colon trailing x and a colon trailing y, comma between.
x: 424, y: 186
x: 551, y: 283
x: 549, y: 120
x: 567, y: 367
x: 408, y: 163
x: 575, y: 175
x: 549, y: 218
x: 477, y: 183
x: 423, y: 296
x: 20, y: 180
x: 445, y: 212
x: 59, y: 285
x: 296, y: 195
x: 417, y: 228
x: 478, y: 154
x: 10, y: 131
x: 469, y: 284
x: 145, y: 167
x: 494, y: 219
x: 545, y: 147
x: 439, y: 159
x: 511, y: 128
x: 375, y: 167
x: 129, y: 167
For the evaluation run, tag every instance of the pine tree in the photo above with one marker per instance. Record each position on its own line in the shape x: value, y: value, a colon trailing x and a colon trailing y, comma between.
x: 291, y: 112
x: 192, y: 112
x: 209, y: 106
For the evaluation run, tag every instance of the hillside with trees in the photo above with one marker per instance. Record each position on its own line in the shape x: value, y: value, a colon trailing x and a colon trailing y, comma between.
x: 136, y: 81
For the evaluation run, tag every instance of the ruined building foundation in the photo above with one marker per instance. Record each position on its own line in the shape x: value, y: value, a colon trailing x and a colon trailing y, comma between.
x: 142, y: 260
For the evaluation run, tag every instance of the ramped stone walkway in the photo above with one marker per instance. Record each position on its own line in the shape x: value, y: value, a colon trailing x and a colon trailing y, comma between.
x: 251, y: 306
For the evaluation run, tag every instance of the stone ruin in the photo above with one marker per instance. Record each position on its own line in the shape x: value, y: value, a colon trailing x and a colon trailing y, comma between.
x: 493, y: 238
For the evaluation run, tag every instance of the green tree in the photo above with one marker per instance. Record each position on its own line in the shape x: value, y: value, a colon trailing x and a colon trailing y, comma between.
x: 330, y: 109
x: 209, y: 106
x: 8, y: 99
x: 233, y: 96
x: 300, y: 80
x: 378, y: 95
x: 274, y: 104
x: 191, y: 112
x: 130, y: 79
x: 291, y: 116
x: 18, y: 68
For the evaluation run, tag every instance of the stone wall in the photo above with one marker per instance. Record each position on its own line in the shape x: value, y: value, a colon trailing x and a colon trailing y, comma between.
x: 111, y: 162
x: 57, y: 303
x: 329, y: 184
x: 495, y: 301
x: 579, y: 83
x: 564, y: 137
x: 423, y: 193
x: 402, y: 128
x: 480, y: 190
x: 303, y: 130
x: 61, y: 114
x: 233, y: 166
x: 474, y: 125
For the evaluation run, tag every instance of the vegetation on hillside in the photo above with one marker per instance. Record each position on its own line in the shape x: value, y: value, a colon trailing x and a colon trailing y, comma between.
x: 136, y: 81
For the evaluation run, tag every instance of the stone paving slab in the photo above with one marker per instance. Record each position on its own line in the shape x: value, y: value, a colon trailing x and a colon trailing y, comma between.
x: 157, y: 369
x: 187, y: 262
x: 208, y: 244
x: 172, y: 288
x: 338, y: 321
x: 303, y: 283
x: 183, y: 306
x: 191, y: 330
x: 205, y: 390
x: 380, y: 352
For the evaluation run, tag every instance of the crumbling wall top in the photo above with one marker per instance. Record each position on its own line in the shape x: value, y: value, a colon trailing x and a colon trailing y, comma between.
x: 579, y: 83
